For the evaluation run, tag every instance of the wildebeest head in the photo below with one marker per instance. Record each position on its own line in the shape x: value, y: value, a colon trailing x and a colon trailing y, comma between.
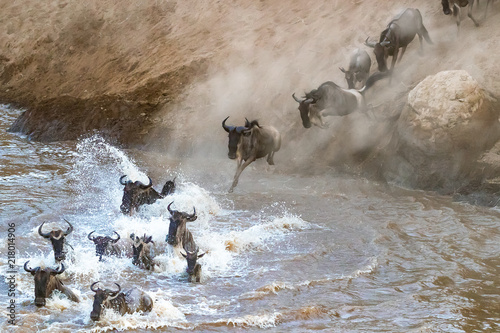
x: 192, y: 257
x: 168, y: 188
x: 304, y: 106
x: 140, y: 253
x: 45, y: 281
x: 102, y: 242
x: 58, y: 239
x: 102, y: 299
x: 235, y: 133
x: 132, y: 194
x: 350, y: 76
x: 177, y: 221
x: 382, y: 49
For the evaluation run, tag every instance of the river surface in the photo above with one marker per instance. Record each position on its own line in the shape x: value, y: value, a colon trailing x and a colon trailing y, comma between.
x: 284, y: 253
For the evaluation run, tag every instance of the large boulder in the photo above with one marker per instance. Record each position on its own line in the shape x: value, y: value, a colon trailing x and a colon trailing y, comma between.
x: 448, y: 122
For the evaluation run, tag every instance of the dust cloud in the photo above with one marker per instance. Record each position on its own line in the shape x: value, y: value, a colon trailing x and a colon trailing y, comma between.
x: 275, y: 49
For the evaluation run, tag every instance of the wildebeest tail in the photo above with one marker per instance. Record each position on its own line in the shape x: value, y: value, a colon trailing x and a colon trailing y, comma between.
x: 374, y: 78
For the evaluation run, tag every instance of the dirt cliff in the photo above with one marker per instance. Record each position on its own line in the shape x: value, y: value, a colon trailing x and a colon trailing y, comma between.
x: 164, y: 73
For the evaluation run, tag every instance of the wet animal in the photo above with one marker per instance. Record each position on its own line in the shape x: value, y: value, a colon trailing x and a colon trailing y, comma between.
x: 398, y: 34
x: 178, y: 234
x: 46, y: 281
x: 104, y: 245
x: 143, y: 251
x: 136, y: 194
x: 358, y: 70
x: 58, y: 239
x: 192, y: 255
x: 331, y: 100
x: 249, y: 143
x: 132, y: 301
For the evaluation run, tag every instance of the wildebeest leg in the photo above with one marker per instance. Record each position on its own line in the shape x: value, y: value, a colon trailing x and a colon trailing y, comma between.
x: 486, y: 9
x: 456, y: 13
x: 469, y: 14
x: 239, y: 170
x: 403, y: 51
x: 270, y: 160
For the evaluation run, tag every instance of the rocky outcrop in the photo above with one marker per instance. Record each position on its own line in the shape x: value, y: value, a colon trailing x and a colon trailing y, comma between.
x: 448, y: 123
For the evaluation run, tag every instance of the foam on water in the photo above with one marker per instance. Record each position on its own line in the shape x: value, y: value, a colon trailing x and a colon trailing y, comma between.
x: 97, y: 167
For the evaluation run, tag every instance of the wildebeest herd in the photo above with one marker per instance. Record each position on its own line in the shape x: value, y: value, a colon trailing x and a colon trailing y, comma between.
x: 246, y: 144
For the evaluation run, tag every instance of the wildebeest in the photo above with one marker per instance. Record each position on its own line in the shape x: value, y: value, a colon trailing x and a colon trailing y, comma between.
x: 191, y: 255
x: 104, y: 244
x: 359, y: 68
x: 132, y: 301
x: 58, y: 240
x: 331, y: 100
x: 398, y: 34
x: 250, y: 143
x: 143, y: 252
x: 136, y: 194
x: 448, y: 5
x: 46, y: 281
x: 178, y: 234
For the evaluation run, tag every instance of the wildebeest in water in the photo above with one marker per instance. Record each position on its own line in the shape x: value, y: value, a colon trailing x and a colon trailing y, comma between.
x: 250, y: 142
x: 104, y: 244
x: 177, y: 229
x: 398, y: 34
x: 143, y: 252
x: 58, y: 239
x: 132, y: 301
x: 46, y: 281
x: 136, y: 194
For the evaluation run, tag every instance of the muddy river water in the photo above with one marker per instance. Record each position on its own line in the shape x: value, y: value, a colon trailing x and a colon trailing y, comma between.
x: 284, y: 252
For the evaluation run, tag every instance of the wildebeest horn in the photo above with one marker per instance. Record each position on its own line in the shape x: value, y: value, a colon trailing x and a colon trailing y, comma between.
x: 92, y: 286
x: 70, y: 229
x: 121, y: 180
x: 225, y: 127
x: 192, y: 217
x: 88, y: 236
x: 29, y: 270
x: 116, y: 240
x: 45, y: 235
x: 369, y: 44
x: 169, y: 210
x: 146, y: 186
x: 342, y: 69
x: 59, y: 270
x: 119, y: 289
x: 296, y: 99
x: 385, y: 42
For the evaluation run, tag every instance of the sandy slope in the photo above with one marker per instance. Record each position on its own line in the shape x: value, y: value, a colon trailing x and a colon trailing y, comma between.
x: 165, y: 73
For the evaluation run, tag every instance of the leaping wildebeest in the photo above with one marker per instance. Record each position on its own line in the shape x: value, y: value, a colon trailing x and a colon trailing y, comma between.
x: 359, y: 68
x: 398, y: 34
x: 331, y: 100
x: 143, y: 252
x: 134, y: 300
x: 104, y: 244
x: 250, y: 142
x: 46, y: 281
x: 136, y: 194
x: 58, y: 239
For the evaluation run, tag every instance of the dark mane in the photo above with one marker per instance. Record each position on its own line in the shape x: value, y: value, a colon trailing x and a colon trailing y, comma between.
x: 254, y: 123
